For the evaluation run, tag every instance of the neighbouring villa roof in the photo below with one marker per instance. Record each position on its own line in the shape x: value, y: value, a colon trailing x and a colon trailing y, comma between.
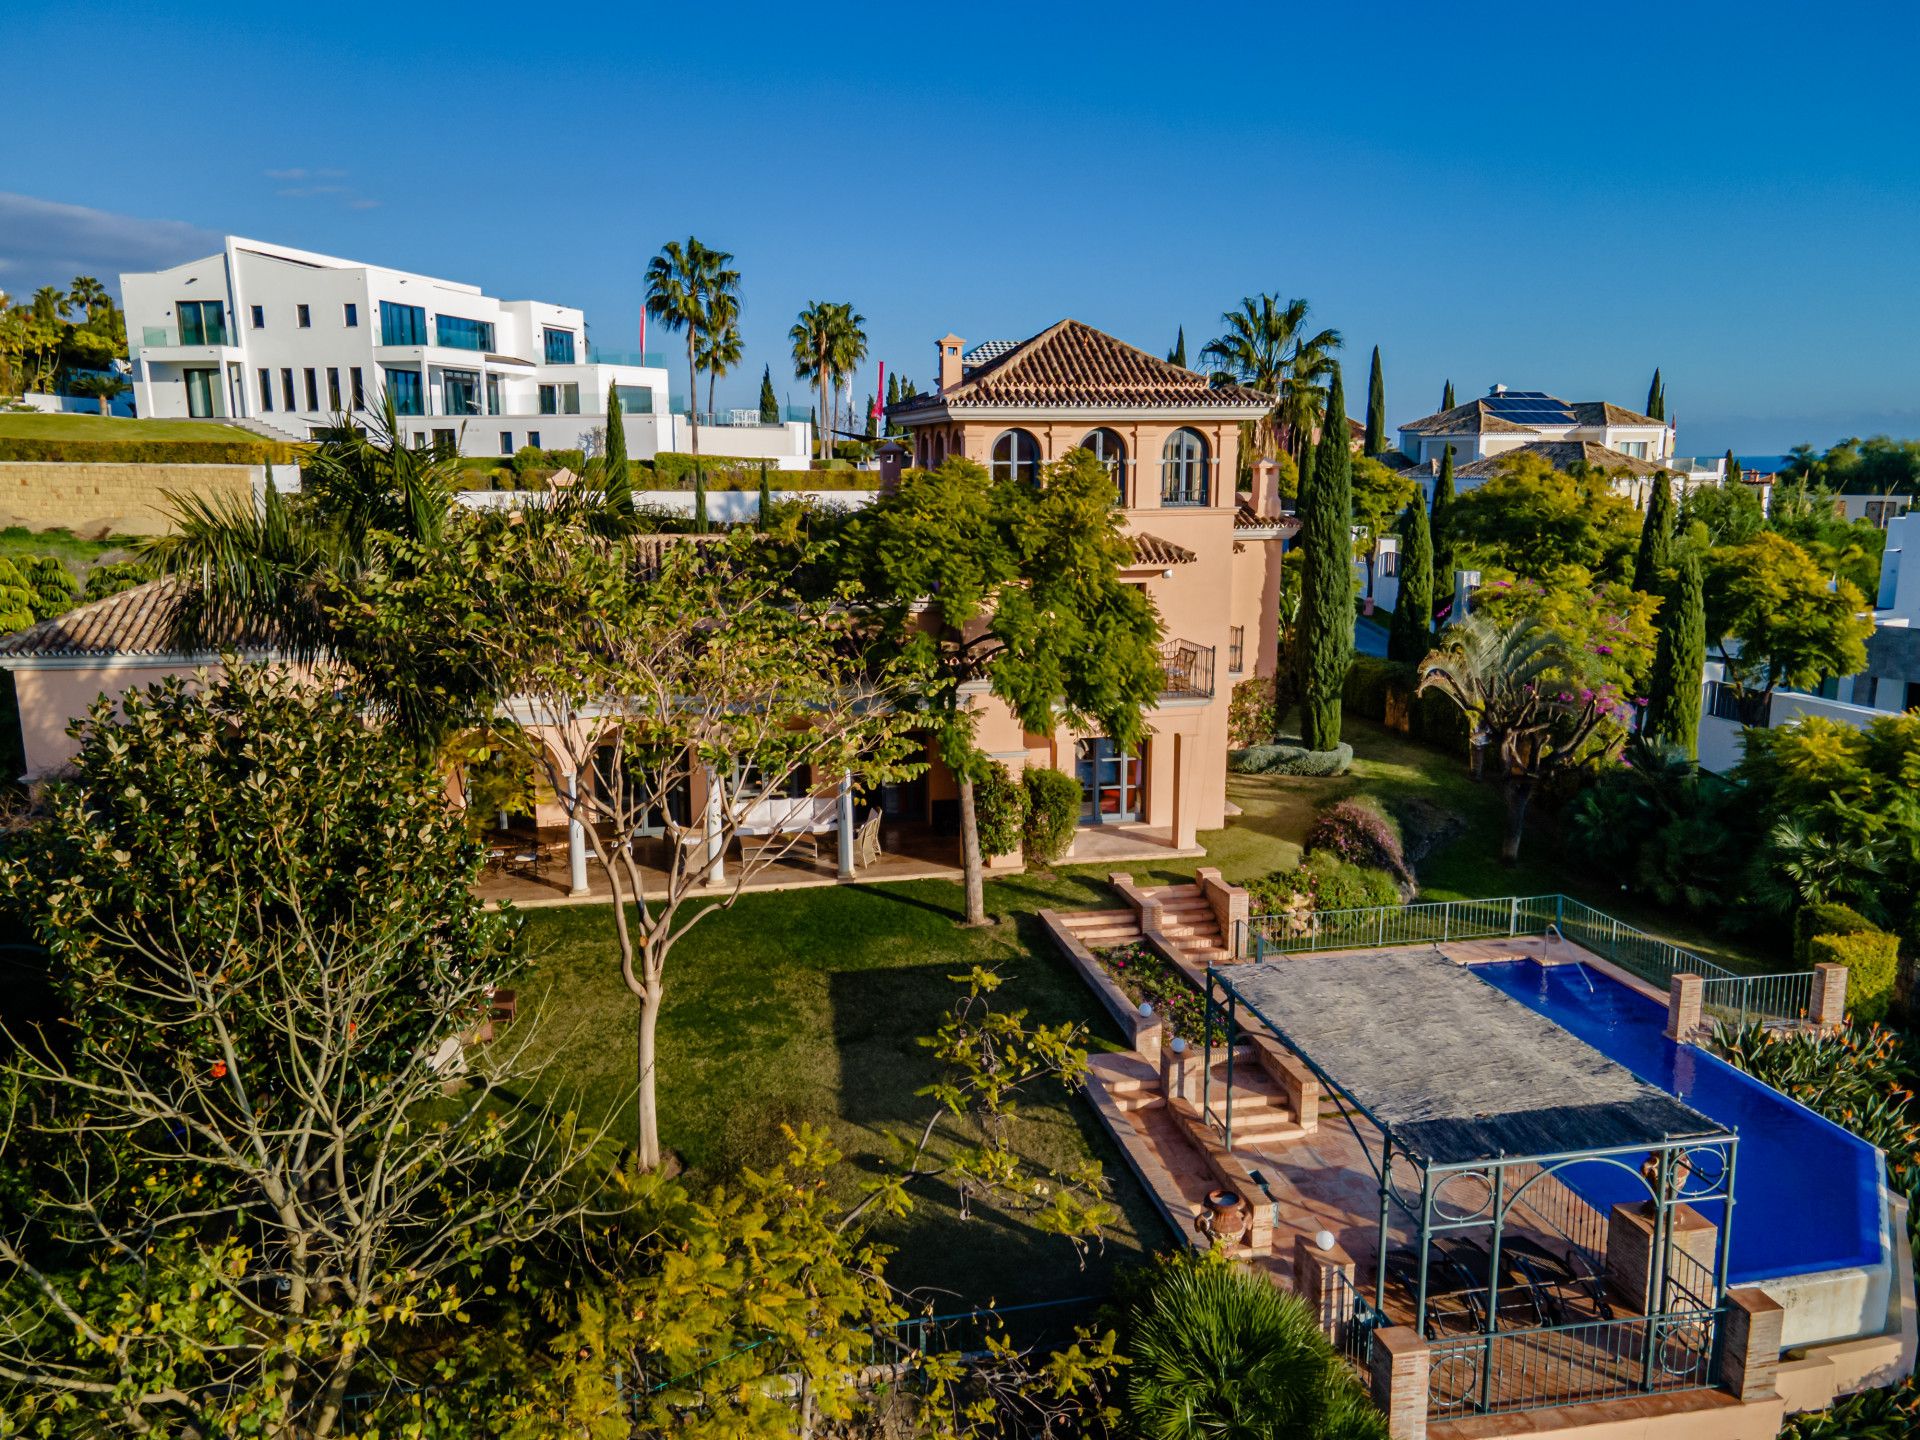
x: 1523, y: 412
x: 1455, y: 1068
x: 1152, y: 550
x: 1074, y: 366
x: 135, y: 622
x: 1560, y: 454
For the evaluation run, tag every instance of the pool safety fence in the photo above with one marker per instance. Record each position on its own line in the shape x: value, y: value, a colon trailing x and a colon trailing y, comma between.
x: 1784, y: 996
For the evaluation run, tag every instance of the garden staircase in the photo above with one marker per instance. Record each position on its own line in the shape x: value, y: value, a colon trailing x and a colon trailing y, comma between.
x: 1101, y: 929
x: 1188, y: 922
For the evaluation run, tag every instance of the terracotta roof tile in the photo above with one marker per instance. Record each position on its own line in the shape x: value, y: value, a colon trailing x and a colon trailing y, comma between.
x: 1599, y: 412
x: 1152, y: 550
x: 1560, y: 454
x: 134, y: 622
x: 1286, y: 526
x: 1071, y: 364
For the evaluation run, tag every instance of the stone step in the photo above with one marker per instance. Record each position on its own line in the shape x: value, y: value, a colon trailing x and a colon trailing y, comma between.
x: 1107, y: 937
x: 1172, y: 892
x: 1074, y: 919
x: 1143, y: 1100
x: 1191, y: 932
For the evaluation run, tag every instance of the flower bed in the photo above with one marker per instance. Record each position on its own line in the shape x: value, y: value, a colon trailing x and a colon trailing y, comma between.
x: 1140, y: 971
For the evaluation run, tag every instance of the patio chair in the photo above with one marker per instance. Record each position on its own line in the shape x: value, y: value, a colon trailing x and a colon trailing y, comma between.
x: 1451, y: 1303
x: 1519, y: 1295
x: 1568, y: 1278
x: 866, y: 844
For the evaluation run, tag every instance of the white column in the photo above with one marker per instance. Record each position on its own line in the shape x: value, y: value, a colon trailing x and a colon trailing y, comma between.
x: 576, y: 837
x: 715, y: 850
x: 846, y: 827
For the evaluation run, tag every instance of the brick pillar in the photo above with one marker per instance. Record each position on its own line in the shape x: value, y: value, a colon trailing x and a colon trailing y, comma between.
x: 1684, y: 997
x: 1401, y: 1359
x: 1829, y: 1007
x: 1314, y: 1272
x: 893, y: 459
x: 1147, y: 1038
x: 1631, y: 1276
x: 1750, y: 1344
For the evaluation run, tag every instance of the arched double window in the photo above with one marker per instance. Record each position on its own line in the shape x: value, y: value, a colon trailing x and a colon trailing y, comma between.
x: 1016, y: 456
x: 1111, y: 451
x: 1183, y: 469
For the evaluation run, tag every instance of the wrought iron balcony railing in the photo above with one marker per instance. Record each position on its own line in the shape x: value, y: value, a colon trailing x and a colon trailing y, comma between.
x: 1188, y: 667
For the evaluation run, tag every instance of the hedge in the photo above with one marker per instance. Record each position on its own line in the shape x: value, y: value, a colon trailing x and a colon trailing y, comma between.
x: 1431, y: 717
x: 1828, y: 919
x: 1053, y: 814
x: 1872, y: 958
x: 149, y: 452
x: 999, y: 812
x: 1290, y: 760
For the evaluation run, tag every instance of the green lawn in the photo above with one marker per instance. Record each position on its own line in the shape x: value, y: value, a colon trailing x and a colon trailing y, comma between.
x: 808, y: 1005
x: 114, y: 427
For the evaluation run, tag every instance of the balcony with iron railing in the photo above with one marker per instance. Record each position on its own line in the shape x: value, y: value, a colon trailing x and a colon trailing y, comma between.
x: 1236, y: 649
x: 1188, y: 670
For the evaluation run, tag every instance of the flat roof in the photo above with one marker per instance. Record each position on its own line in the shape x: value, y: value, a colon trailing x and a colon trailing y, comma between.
x: 1453, y: 1068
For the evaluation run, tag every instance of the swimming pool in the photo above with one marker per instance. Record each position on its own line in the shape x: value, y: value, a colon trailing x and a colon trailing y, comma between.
x: 1807, y: 1195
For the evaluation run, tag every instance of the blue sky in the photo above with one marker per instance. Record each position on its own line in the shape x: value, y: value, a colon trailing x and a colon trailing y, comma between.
x: 1557, y: 198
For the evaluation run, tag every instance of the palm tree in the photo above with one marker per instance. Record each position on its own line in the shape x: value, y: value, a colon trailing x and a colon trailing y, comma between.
x: 812, y: 337
x: 49, y: 304
x: 1523, y: 692
x: 103, y: 386
x: 1217, y: 1352
x: 1265, y: 346
x: 88, y: 294
x: 685, y: 286
x: 720, y: 346
x: 848, y: 349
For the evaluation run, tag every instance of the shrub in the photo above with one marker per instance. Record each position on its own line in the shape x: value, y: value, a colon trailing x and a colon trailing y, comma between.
x: 1827, y: 918
x: 1872, y: 958
x: 1000, y: 811
x: 105, y: 580
x: 1290, y: 760
x: 1143, y: 973
x: 1354, y: 830
x: 1253, y: 714
x: 1328, y: 883
x: 239, y: 451
x: 1053, y: 814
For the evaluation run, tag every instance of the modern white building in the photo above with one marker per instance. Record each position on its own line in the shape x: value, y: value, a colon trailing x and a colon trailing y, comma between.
x: 286, y: 340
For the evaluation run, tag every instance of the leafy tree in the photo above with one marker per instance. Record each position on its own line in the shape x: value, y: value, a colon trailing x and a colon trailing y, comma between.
x: 1379, y: 495
x: 1662, y: 827
x: 1876, y: 466
x: 1376, y: 442
x: 769, y: 402
x: 1657, y: 397
x: 111, y: 579
x: 616, y: 474
x: 1446, y: 397
x: 1326, y: 601
x: 1266, y: 346
x: 222, y: 1210
x: 1499, y: 677
x: 1440, y: 522
x: 1533, y: 520
x: 1607, y: 627
x: 102, y: 386
x: 1018, y: 586
x: 1773, y: 620
x: 1654, y: 556
x: 1673, y: 695
x: 1808, y: 513
x: 693, y: 287
x: 1178, y: 355
x: 1215, y: 1350
x: 1411, y: 634
x: 636, y: 705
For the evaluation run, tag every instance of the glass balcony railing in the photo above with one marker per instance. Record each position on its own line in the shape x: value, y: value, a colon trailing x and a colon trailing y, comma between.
x: 159, y: 337
x: 601, y: 355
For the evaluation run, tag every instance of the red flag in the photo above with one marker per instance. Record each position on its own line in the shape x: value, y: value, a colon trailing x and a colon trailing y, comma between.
x: 880, y: 393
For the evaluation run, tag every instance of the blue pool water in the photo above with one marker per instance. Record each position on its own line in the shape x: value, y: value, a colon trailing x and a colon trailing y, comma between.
x: 1807, y: 1195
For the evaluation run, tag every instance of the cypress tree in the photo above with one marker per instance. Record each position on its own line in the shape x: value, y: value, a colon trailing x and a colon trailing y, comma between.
x: 1679, y: 656
x: 1657, y: 397
x: 1446, y: 397
x: 766, y: 496
x: 1413, y: 610
x: 1735, y: 474
x: 616, y: 477
x: 1656, y: 538
x: 1442, y: 535
x: 699, y: 501
x: 1376, y: 443
x: 769, y: 402
x: 1326, y: 583
x: 1178, y: 355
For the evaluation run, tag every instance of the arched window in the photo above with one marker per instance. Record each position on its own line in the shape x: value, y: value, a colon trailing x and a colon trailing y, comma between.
x: 939, y: 452
x: 1016, y: 456
x: 1111, y: 451
x: 1183, y: 469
